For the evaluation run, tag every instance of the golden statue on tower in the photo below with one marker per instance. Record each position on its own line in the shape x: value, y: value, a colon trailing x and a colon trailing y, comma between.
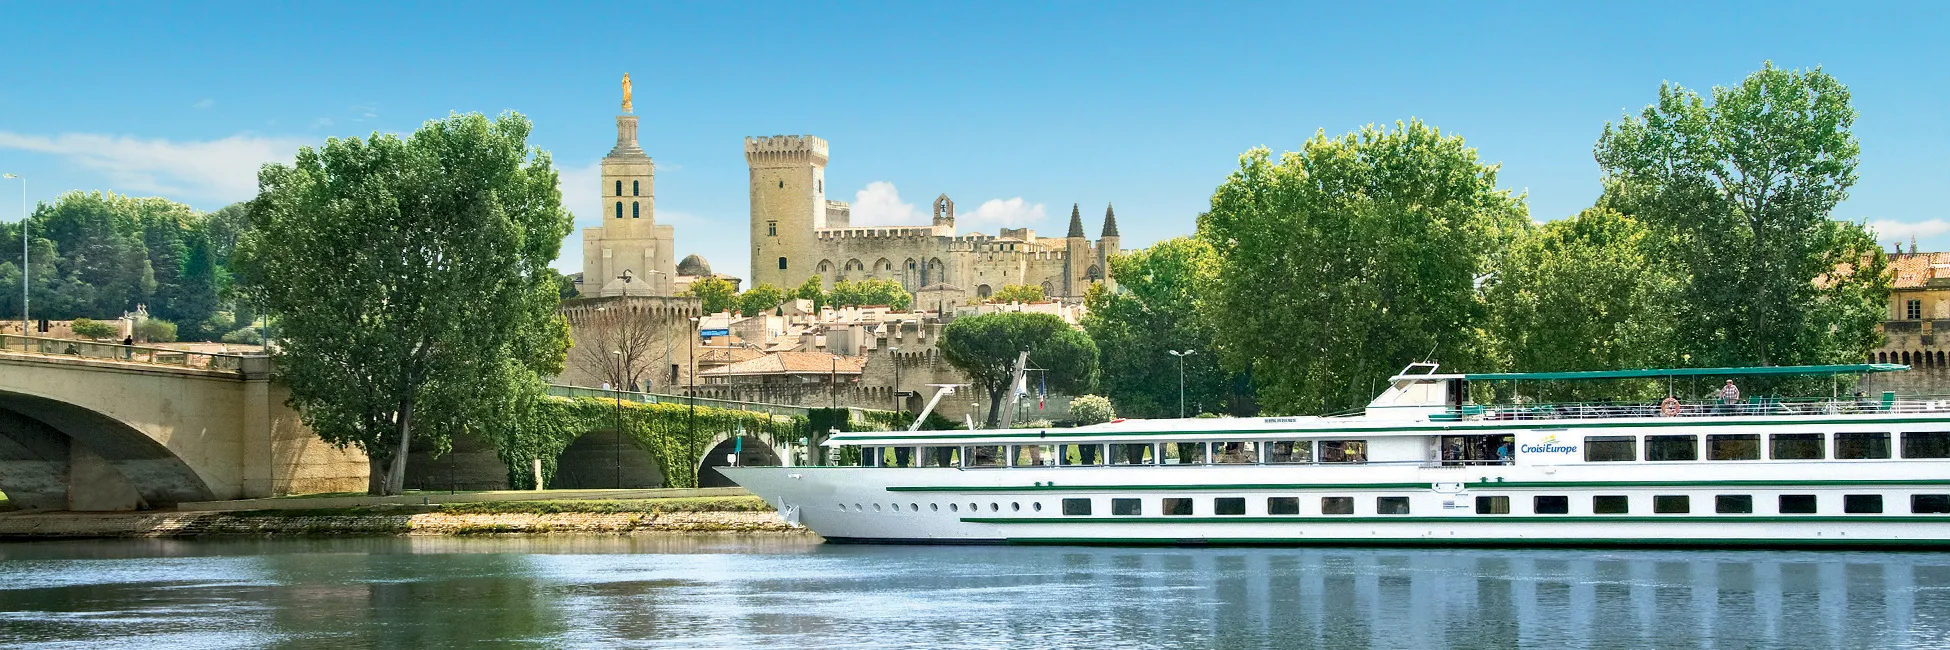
x: 626, y: 92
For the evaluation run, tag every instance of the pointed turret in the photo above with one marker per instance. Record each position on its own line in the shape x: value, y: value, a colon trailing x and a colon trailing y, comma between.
x: 1110, y: 221
x: 1076, y: 222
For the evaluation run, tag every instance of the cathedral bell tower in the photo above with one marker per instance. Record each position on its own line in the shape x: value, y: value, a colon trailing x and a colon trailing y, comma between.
x: 629, y: 255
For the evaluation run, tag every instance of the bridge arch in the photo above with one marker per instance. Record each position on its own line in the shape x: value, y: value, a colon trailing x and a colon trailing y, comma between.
x: 754, y: 452
x: 57, y: 455
x: 601, y: 459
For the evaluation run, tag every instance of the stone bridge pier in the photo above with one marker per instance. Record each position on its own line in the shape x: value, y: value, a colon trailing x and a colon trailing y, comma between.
x: 80, y: 433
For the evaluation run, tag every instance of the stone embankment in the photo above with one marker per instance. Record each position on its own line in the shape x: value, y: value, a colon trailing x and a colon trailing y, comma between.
x: 745, y: 515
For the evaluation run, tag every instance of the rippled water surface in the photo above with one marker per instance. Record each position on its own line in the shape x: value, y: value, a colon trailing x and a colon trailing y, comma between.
x: 738, y: 592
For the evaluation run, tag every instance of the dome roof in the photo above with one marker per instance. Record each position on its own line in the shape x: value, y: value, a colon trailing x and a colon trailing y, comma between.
x: 694, y: 265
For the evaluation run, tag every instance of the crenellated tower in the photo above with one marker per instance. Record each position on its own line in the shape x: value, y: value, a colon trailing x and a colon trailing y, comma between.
x: 788, y: 193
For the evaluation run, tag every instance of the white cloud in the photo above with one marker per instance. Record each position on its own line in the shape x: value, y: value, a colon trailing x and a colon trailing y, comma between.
x: 1895, y: 230
x: 880, y: 205
x: 204, y: 103
x: 224, y: 170
x: 581, y: 193
x: 1011, y: 212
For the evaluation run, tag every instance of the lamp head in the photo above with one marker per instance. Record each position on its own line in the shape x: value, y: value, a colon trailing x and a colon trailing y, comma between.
x: 10, y: 175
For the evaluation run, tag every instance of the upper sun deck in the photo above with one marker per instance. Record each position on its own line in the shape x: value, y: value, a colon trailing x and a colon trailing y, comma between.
x: 1425, y: 403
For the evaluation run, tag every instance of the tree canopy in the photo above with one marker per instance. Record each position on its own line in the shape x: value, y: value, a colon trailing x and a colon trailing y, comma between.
x: 760, y: 300
x: 1153, y: 312
x: 713, y: 293
x: 1344, y: 261
x: 985, y: 348
x: 1017, y: 293
x: 871, y: 291
x: 411, y: 282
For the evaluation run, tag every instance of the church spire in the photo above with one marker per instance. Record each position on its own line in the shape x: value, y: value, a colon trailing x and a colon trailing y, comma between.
x: 1076, y: 221
x: 1110, y: 221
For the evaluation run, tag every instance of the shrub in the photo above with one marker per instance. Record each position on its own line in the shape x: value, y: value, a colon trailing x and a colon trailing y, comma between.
x: 1092, y: 409
x: 244, y: 336
x: 155, y: 330
x: 92, y: 329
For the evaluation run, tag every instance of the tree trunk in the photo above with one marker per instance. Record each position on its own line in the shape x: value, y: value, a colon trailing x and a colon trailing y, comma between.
x: 995, y: 407
x: 396, y: 470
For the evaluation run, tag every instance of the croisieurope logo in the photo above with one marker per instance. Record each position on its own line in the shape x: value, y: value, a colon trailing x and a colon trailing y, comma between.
x: 1548, y: 446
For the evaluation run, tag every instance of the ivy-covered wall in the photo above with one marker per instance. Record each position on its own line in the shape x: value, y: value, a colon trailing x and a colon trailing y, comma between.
x: 676, y: 435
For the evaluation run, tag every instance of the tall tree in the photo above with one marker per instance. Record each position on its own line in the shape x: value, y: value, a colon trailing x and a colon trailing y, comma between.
x: 812, y: 289
x: 622, y: 345
x: 760, y: 300
x: 871, y: 291
x: 1746, y: 184
x: 410, y: 279
x: 1018, y: 293
x: 985, y: 348
x: 1155, y: 312
x: 1350, y: 258
x: 714, y: 294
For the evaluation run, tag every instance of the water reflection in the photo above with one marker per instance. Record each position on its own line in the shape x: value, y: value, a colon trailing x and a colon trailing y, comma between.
x: 751, y: 591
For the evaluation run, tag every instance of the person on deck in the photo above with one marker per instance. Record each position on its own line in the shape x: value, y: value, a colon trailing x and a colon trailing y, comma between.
x: 1729, y: 396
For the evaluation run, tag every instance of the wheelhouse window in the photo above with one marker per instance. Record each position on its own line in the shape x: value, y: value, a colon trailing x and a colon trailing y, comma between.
x: 1132, y: 454
x: 1610, y: 449
x: 1861, y: 446
x: 1282, y: 505
x: 1862, y: 504
x: 899, y: 457
x: 1229, y: 506
x: 1929, y: 504
x: 1235, y: 453
x: 1496, y: 505
x: 1797, y: 504
x: 1658, y: 448
x: 1733, y: 446
x: 869, y: 456
x: 1184, y: 453
x: 1672, y: 504
x: 1343, y: 451
x: 1127, y: 507
x: 986, y: 456
x: 1076, y: 507
x: 1083, y: 455
x: 1795, y: 446
x: 1337, y: 505
x: 1391, y: 505
x: 1734, y: 504
x: 1035, y: 455
x: 1290, y: 451
x: 940, y: 456
x: 1611, y: 504
x: 1178, y: 507
x: 1926, y: 444
x: 1550, y: 505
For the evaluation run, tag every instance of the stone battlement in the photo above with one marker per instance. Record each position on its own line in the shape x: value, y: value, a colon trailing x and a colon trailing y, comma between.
x: 782, y: 148
x: 875, y: 232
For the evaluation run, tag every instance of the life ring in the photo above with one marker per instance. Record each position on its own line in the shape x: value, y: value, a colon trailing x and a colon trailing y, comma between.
x: 1669, y: 408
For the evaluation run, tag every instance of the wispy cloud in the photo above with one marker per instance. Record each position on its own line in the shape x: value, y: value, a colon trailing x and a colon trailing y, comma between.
x: 581, y: 193
x: 1896, y: 230
x: 880, y: 205
x: 1006, y: 212
x: 224, y: 170
x: 204, y: 103
x: 321, y: 122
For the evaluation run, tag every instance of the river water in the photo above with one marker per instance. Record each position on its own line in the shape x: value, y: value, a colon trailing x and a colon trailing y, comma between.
x: 743, y: 592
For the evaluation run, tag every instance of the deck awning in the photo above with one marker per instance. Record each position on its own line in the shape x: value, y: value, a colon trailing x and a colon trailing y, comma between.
x: 1842, y: 369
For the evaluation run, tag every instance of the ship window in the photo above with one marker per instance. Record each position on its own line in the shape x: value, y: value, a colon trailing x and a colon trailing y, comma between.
x: 1550, y: 505
x: 1127, y: 507
x: 940, y: 456
x: 1282, y: 505
x: 1337, y: 505
x: 1076, y: 507
x: 974, y: 508
x: 954, y: 507
x: 913, y: 507
x: 1015, y: 506
x: 1797, y: 504
x: 1082, y: 455
x: 1926, y: 444
x: 1235, y: 453
x: 986, y: 456
x: 934, y: 507
x: 1492, y: 505
x: 1035, y: 455
x: 1733, y: 446
x: 1229, y: 506
x: 1734, y: 504
x: 1795, y: 446
x: 869, y: 456
x: 876, y: 507
x: 1391, y: 505
x: 1861, y: 446
x: 1611, y: 504
x: 1178, y: 507
x: 1037, y: 506
x: 1289, y: 451
x: 1858, y: 504
x: 1132, y: 454
x: 1607, y: 449
x: 1671, y: 504
x: 995, y: 507
x: 1929, y: 504
x: 898, y: 457
x: 1672, y: 448
x: 1184, y: 453
x: 857, y: 508
x: 1343, y: 451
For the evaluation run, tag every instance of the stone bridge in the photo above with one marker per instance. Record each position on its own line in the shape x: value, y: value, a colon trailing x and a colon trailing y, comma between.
x: 87, y: 426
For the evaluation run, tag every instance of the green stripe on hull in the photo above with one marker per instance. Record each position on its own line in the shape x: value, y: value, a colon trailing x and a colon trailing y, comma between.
x: 1499, y: 542
x: 1475, y: 485
x: 1472, y: 519
x: 1211, y: 486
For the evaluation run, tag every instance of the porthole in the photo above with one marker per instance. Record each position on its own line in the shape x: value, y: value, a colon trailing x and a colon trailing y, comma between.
x: 1015, y: 506
x: 1037, y: 506
x: 914, y: 507
x: 972, y: 507
x: 954, y: 508
x: 842, y: 507
x: 894, y: 507
x: 995, y: 507
x: 857, y: 508
x: 876, y: 507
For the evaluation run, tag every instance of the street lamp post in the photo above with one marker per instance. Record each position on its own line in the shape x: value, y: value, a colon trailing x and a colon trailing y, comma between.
x: 893, y: 354
x: 615, y: 391
x: 833, y: 382
x: 23, y: 256
x: 690, y: 395
x: 1181, y: 377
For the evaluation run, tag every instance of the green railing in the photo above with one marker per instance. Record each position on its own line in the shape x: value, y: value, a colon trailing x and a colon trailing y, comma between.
x: 125, y: 353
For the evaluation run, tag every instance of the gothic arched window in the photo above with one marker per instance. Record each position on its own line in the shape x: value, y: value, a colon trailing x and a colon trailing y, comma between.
x: 619, y: 207
x: 634, y: 212
x: 636, y: 188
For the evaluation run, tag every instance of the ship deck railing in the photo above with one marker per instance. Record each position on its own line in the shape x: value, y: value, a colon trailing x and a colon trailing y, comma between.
x: 1750, y: 407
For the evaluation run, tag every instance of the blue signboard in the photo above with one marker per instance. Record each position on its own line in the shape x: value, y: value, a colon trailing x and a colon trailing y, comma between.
x: 711, y: 333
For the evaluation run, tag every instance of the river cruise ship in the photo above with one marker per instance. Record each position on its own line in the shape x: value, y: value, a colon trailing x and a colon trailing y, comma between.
x: 1422, y: 464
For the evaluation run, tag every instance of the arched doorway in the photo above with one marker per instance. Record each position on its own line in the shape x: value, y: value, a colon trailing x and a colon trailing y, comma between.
x: 751, y: 451
x: 60, y: 456
x: 602, y: 460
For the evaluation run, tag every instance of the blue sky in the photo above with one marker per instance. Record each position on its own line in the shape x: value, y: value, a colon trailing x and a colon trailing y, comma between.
x: 1033, y: 107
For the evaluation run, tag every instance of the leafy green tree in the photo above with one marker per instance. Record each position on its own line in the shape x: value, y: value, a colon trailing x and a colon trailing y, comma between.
x: 985, y: 348
x: 92, y: 329
x: 155, y: 330
x: 1746, y: 185
x: 1154, y: 312
x: 243, y: 336
x: 1017, y: 293
x: 1344, y: 261
x: 812, y: 290
x: 1092, y: 409
x: 871, y: 291
x: 760, y: 300
x: 410, y: 281
x: 716, y: 294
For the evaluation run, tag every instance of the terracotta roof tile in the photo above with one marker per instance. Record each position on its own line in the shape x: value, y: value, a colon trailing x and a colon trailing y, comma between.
x: 791, y: 363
